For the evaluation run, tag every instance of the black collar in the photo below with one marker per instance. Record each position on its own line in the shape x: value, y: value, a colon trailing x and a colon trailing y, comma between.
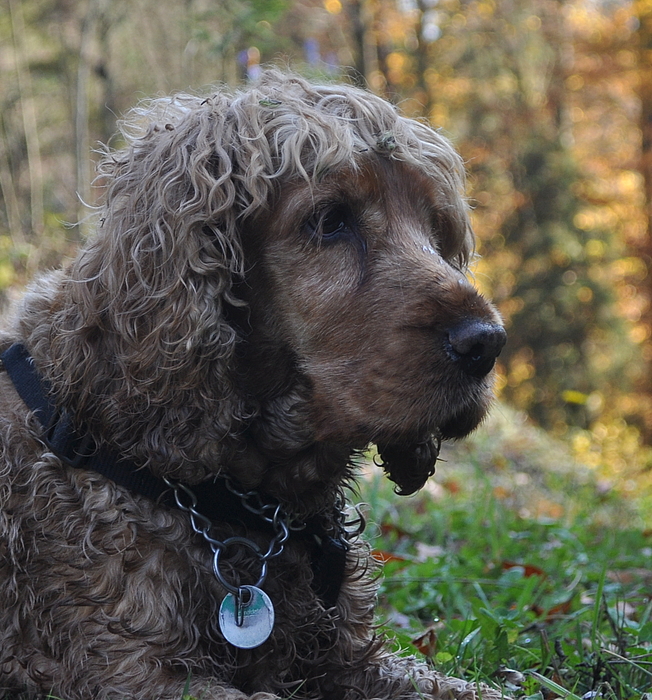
x: 215, y: 500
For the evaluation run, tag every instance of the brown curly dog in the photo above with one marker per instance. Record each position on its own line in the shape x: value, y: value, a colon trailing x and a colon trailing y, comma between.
x: 277, y: 280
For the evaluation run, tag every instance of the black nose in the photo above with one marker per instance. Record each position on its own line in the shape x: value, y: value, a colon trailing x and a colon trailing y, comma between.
x: 475, y: 345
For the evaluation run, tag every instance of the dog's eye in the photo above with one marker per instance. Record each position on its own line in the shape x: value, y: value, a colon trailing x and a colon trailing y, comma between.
x: 334, y: 223
x: 330, y: 224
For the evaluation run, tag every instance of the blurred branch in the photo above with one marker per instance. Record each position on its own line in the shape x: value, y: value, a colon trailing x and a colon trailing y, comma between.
x: 362, y: 17
x: 370, y: 43
x: 644, y: 49
x: 82, y: 138
x: 8, y: 189
x: 28, y: 110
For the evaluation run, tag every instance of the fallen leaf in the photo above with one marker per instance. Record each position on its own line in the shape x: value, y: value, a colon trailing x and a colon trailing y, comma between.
x: 514, y: 678
x: 501, y: 493
x: 451, y: 486
x: 391, y: 529
x: 528, y: 569
x: 554, y: 612
x: 426, y: 643
x: 627, y: 576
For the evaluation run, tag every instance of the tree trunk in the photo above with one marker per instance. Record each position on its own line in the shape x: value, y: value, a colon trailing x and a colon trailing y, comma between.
x: 28, y: 110
x: 643, y: 12
x: 82, y: 134
x: 362, y: 17
x: 9, y: 190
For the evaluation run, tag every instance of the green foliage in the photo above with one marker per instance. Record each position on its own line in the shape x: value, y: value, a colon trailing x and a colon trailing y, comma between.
x: 240, y: 24
x: 564, y: 303
x: 478, y: 584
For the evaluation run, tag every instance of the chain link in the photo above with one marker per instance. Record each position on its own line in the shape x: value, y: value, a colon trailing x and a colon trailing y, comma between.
x: 252, y: 501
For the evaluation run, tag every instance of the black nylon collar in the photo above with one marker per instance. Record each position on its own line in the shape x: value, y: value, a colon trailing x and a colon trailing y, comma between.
x: 215, y: 500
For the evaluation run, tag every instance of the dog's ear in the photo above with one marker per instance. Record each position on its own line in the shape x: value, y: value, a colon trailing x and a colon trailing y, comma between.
x: 141, y: 348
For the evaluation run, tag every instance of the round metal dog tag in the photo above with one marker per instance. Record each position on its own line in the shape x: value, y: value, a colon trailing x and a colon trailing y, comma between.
x: 246, y: 618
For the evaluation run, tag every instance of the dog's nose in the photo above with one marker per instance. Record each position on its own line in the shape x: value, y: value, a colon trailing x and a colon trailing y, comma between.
x: 475, y: 345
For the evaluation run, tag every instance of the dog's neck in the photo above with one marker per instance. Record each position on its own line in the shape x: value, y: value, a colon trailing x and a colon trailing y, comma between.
x: 307, y: 482
x: 278, y: 453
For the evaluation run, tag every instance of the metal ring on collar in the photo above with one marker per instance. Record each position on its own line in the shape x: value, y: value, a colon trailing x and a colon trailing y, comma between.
x: 216, y: 563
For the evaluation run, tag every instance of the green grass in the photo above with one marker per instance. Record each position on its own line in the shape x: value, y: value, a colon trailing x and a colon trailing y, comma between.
x: 517, y: 567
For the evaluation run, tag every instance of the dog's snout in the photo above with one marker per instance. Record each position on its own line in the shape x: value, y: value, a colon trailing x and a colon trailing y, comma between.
x: 475, y: 345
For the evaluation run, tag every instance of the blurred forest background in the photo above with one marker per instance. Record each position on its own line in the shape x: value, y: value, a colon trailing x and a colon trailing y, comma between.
x: 549, y: 102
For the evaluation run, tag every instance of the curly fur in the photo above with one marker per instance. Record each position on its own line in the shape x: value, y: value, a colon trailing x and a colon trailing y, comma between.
x: 270, y: 288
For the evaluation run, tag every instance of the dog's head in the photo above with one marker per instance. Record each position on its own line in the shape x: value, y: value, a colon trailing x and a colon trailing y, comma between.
x: 279, y: 268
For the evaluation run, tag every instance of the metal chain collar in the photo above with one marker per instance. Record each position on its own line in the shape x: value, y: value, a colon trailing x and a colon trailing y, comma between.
x: 271, y: 513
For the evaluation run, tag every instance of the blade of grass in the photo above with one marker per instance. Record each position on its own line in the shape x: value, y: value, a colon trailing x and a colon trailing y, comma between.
x: 597, y: 608
x: 628, y: 661
x: 555, y: 687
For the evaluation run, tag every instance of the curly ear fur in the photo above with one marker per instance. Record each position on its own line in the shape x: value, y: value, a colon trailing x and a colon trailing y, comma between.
x: 139, y: 347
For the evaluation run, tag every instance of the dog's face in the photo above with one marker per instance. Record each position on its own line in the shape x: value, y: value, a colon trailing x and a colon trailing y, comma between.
x: 352, y: 282
x: 278, y: 280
